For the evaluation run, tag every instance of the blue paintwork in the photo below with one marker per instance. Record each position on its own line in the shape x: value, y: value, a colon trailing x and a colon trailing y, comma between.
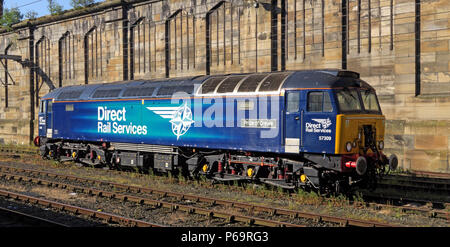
x: 316, y: 131
x: 292, y: 128
x: 318, y: 139
x: 83, y: 124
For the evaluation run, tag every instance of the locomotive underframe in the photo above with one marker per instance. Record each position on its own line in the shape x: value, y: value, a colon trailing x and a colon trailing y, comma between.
x: 321, y: 172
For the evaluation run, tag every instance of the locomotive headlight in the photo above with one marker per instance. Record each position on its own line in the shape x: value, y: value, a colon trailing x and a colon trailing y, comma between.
x: 348, y: 146
x: 381, y: 145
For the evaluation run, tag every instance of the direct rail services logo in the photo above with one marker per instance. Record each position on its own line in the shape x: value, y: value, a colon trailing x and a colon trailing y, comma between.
x: 180, y: 117
x: 321, y: 126
x: 108, y: 122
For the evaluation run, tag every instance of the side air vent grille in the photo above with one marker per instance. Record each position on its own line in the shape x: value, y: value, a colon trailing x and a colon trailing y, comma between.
x: 170, y: 90
x: 251, y: 83
x: 138, y: 91
x: 106, y: 93
x: 273, y: 82
x: 228, y: 85
x: 70, y: 94
x: 209, y: 86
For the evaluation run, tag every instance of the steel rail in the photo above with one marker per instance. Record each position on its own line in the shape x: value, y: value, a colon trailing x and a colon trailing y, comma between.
x: 418, y: 187
x: 425, y: 174
x: 431, y: 190
x: 406, y: 180
x: 19, y: 150
x: 77, y: 210
x: 420, y: 182
x: 415, y: 179
x: 390, y: 197
x: 31, y: 219
x: 212, y: 201
x: 402, y: 177
x: 156, y: 203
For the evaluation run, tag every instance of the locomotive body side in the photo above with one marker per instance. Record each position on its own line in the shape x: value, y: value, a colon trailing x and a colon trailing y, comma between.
x: 179, y: 122
x: 245, y: 123
x: 321, y: 129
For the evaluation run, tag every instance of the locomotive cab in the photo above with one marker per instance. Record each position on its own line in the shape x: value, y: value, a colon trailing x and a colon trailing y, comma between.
x: 360, y: 128
x: 337, y: 126
x: 46, y: 118
x: 309, y: 121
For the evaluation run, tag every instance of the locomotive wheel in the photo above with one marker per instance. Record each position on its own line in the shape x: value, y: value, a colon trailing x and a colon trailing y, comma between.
x: 341, y: 187
x: 361, y: 165
x: 393, y: 162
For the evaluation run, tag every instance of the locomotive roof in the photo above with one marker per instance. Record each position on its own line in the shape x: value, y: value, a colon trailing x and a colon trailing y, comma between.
x: 231, y: 84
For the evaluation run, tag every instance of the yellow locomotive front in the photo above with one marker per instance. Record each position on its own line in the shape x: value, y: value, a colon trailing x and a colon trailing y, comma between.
x: 360, y: 127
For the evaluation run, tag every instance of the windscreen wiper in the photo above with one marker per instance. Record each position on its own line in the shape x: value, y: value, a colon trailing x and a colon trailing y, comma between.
x: 346, y: 89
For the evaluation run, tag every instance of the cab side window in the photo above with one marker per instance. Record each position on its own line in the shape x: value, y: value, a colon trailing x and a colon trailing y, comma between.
x: 319, y: 102
x: 41, y: 107
x: 49, y: 106
x: 293, y: 102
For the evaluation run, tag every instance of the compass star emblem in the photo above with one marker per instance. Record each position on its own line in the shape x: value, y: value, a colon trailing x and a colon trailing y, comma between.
x: 181, y: 121
x: 325, y: 122
x: 180, y: 117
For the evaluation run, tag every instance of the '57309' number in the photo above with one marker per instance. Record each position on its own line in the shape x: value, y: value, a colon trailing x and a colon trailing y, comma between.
x: 324, y: 138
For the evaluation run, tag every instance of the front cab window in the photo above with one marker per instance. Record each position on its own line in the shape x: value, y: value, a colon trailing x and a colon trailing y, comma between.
x: 348, y: 100
x: 370, y: 101
x: 358, y: 101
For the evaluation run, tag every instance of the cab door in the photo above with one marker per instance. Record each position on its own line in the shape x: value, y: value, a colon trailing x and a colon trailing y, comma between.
x: 319, y: 121
x: 46, y: 118
x: 292, y: 123
x: 42, y: 118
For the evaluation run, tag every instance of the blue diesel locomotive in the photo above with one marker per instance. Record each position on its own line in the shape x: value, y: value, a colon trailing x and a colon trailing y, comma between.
x: 320, y: 129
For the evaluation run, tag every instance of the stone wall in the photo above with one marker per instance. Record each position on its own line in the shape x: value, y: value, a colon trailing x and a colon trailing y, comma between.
x: 401, y: 47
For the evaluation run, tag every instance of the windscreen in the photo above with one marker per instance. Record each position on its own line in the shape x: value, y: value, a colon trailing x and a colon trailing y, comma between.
x: 348, y: 100
x: 370, y: 101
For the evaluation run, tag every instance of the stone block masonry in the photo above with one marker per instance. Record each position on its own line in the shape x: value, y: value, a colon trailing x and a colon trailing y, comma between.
x: 401, y: 47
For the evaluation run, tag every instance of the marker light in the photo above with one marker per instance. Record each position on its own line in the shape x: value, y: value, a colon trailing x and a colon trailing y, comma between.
x: 381, y: 145
x: 348, y: 146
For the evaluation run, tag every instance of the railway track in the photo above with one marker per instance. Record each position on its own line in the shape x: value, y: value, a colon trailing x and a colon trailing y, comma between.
x: 435, y: 191
x: 111, y: 218
x: 435, y: 211
x: 192, y: 204
x: 426, y: 174
x: 5, y: 150
x: 427, y: 184
x: 397, y: 189
x: 15, y: 218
